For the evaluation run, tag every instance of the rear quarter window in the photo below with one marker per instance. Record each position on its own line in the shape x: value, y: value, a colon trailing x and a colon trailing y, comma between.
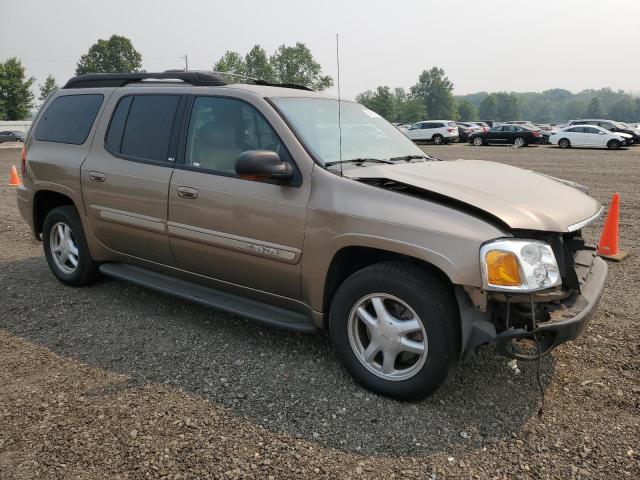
x: 68, y: 119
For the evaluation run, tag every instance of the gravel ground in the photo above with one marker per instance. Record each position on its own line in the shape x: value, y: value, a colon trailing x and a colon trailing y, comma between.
x: 115, y: 380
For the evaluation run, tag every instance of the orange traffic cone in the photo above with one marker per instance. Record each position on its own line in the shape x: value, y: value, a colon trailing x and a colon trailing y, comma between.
x: 608, y: 245
x: 14, y: 179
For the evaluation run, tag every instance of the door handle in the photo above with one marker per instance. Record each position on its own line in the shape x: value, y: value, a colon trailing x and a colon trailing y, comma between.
x: 187, y: 192
x: 96, y: 176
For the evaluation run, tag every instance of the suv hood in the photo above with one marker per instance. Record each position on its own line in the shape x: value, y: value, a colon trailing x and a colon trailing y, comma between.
x: 520, y: 198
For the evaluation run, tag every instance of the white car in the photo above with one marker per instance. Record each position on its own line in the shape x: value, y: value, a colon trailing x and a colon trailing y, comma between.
x: 436, y: 131
x: 588, y: 136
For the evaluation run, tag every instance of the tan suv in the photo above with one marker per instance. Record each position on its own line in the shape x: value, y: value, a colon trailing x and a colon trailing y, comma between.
x: 264, y: 202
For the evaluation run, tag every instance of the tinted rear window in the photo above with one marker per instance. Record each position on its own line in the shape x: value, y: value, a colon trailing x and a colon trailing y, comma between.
x: 141, y: 126
x: 68, y: 119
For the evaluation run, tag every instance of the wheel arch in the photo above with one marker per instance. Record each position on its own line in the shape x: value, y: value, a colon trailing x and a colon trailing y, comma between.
x: 352, y: 258
x: 43, y: 202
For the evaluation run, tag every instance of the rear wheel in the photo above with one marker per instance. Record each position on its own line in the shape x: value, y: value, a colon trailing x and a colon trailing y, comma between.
x: 437, y: 139
x: 65, y: 247
x: 519, y: 142
x: 394, y: 326
x: 613, y: 145
x: 564, y: 143
x: 478, y: 142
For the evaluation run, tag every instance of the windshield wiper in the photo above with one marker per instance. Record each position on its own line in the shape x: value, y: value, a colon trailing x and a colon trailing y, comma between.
x: 412, y: 157
x: 358, y: 160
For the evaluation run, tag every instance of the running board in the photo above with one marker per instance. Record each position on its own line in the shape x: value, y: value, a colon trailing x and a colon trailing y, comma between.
x: 227, y: 302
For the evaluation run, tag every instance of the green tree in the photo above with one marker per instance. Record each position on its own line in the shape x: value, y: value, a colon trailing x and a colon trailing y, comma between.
x: 488, y: 107
x: 507, y: 107
x: 47, y: 88
x: 16, y: 98
x: 231, y: 62
x: 382, y: 101
x: 257, y: 64
x: 595, y: 109
x: 114, y: 55
x: 410, y: 109
x: 435, y: 91
x: 296, y: 65
x: 623, y: 110
x: 467, y: 111
x: 573, y: 109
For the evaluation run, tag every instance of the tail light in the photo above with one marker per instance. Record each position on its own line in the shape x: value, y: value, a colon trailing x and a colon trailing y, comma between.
x: 23, y: 161
x: 536, y: 133
x: 451, y: 129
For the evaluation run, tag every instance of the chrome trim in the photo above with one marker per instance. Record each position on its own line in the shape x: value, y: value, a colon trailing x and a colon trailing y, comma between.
x: 130, y: 219
x: 250, y: 246
x: 584, y: 223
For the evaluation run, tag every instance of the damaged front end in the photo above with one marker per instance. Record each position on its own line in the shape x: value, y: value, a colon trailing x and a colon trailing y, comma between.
x: 525, y: 325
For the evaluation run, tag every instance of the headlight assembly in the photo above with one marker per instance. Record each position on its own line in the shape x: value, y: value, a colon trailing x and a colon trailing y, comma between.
x: 512, y: 265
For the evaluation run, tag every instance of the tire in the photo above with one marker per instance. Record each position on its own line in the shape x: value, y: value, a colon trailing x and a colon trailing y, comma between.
x: 478, y: 141
x: 411, y: 292
x: 55, y: 242
x: 613, y: 145
x: 519, y: 142
x: 564, y: 143
x: 437, y: 139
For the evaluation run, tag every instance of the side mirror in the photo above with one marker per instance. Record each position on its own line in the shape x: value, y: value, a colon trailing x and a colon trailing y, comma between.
x: 262, y: 165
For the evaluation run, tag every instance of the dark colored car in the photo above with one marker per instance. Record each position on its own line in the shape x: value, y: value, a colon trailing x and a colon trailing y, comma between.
x: 612, y: 126
x: 467, y: 128
x: 518, y: 135
x: 11, y: 136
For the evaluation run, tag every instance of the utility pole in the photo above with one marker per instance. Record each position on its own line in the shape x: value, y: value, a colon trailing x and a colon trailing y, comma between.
x: 186, y: 62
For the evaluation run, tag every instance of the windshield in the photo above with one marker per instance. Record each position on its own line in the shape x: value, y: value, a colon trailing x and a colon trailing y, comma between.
x: 365, y: 134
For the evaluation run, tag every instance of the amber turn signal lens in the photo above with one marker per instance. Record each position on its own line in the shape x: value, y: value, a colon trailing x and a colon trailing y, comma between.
x: 502, y: 269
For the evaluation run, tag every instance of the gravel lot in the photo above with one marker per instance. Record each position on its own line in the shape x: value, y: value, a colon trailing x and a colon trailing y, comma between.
x: 116, y: 381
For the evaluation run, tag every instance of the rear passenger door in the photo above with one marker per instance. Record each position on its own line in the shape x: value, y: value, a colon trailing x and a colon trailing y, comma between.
x: 125, y: 178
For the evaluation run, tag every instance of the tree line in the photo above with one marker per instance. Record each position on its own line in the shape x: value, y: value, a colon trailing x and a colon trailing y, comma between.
x: 432, y: 98
x: 288, y: 64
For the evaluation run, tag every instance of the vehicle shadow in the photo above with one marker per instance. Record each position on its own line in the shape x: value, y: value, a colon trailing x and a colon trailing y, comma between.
x: 283, y: 381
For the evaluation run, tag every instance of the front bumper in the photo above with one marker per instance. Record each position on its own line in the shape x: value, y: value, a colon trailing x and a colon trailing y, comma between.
x: 568, y: 319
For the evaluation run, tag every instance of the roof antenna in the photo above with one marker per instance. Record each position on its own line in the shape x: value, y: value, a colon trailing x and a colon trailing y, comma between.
x: 339, y: 105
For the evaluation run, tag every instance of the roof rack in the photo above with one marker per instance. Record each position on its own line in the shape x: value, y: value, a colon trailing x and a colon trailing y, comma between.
x: 92, y: 80
x: 259, y: 81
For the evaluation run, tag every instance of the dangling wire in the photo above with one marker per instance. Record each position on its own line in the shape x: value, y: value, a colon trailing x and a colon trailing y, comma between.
x: 539, y: 350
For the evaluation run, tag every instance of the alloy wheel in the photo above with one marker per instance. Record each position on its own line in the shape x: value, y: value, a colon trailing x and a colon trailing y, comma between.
x: 387, y: 337
x: 64, y: 250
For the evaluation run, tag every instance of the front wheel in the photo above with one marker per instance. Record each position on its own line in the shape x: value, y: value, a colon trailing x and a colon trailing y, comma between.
x: 613, y: 145
x: 478, y: 142
x: 395, y: 328
x: 65, y: 247
x: 438, y: 139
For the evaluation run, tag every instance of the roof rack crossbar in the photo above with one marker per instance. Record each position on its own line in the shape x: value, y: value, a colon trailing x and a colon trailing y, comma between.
x: 93, y: 80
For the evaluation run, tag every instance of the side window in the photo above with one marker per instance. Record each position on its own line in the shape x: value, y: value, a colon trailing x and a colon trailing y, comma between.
x: 68, y: 119
x: 220, y: 129
x: 591, y: 130
x: 576, y: 130
x: 141, y: 126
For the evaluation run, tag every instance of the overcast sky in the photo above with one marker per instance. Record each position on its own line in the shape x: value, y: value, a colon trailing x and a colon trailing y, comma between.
x: 489, y: 45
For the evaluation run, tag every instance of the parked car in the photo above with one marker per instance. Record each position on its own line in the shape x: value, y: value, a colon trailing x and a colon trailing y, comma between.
x: 12, y: 136
x: 466, y: 128
x: 437, y: 131
x: 518, y: 135
x: 588, y: 136
x: 519, y: 122
x: 484, y: 125
x: 610, y: 125
x: 238, y: 197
